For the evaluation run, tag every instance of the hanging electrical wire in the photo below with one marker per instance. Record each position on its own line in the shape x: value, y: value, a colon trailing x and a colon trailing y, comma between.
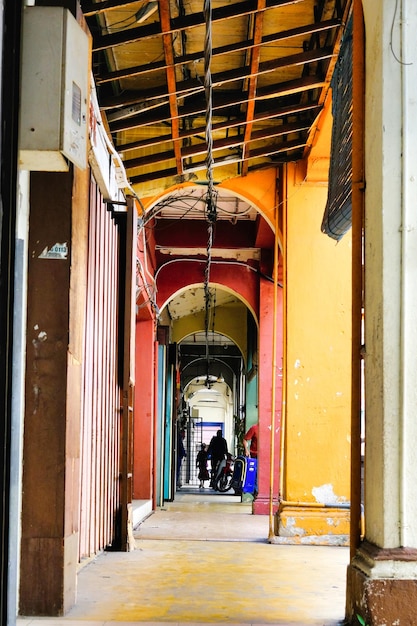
x: 208, y: 90
x: 210, y: 198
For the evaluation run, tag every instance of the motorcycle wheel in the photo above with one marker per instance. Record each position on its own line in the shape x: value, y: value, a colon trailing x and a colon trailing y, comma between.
x: 224, y: 483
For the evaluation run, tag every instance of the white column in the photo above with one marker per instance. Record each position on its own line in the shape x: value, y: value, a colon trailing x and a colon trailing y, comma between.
x: 408, y: 445
x: 391, y: 273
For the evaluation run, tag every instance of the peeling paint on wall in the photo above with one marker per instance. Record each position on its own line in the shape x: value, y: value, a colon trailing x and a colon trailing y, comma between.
x: 291, y: 530
x: 333, y: 521
x: 325, y: 494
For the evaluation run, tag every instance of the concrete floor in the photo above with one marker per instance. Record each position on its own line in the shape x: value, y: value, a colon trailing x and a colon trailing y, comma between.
x: 205, y: 559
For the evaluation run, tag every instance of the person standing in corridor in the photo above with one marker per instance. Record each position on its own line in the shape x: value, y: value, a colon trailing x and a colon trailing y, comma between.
x: 217, y: 451
x: 201, y: 463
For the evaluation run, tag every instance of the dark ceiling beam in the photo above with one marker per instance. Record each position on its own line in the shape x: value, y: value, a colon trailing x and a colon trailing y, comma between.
x: 255, y: 66
x: 184, y: 88
x: 111, y: 40
x: 144, y: 143
x: 223, y: 103
x: 164, y: 16
x: 220, y: 144
x: 151, y: 176
x: 291, y: 87
x: 150, y: 159
x: 264, y: 151
x: 94, y: 8
x: 240, y: 139
x: 156, y: 116
x: 258, y: 153
x: 188, y: 87
x: 231, y: 48
x: 268, y: 114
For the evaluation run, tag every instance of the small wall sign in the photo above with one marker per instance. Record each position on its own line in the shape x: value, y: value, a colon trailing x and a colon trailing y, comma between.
x: 57, y: 251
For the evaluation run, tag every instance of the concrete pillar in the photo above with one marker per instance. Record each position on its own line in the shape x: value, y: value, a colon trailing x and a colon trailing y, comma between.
x: 49, y: 546
x: 54, y: 357
x: 261, y: 506
x: 382, y: 578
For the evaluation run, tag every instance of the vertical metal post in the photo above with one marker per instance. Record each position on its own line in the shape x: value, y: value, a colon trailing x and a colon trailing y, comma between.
x: 128, y: 374
x: 274, y: 377
x: 357, y: 276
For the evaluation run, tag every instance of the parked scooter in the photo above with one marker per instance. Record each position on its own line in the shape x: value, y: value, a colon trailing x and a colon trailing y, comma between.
x: 244, y: 475
x: 237, y: 473
x: 223, y: 481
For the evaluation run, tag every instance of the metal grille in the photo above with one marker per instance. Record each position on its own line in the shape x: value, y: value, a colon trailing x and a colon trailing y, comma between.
x: 199, y: 432
x: 338, y: 213
x: 100, y: 434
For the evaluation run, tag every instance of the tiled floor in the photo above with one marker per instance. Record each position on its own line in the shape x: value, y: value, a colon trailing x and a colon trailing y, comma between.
x: 205, y: 559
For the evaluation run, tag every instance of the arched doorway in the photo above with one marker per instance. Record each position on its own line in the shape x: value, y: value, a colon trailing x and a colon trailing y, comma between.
x: 201, y: 285
x: 215, y: 346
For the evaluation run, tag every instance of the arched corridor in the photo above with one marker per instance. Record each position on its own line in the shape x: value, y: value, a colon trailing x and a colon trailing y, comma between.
x: 264, y: 148
x: 205, y: 559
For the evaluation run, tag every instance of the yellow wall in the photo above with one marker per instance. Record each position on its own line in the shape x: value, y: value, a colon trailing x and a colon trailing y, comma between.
x: 318, y: 350
x: 230, y: 321
x: 317, y: 430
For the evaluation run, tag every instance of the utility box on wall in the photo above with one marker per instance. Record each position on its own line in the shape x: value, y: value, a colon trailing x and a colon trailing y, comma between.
x: 53, y: 113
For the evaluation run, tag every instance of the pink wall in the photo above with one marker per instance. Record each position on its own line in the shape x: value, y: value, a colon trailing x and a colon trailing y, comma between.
x: 261, y: 504
x: 143, y: 432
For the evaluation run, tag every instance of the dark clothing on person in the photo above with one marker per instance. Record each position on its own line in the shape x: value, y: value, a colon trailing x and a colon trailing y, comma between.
x: 217, y: 451
x: 201, y: 462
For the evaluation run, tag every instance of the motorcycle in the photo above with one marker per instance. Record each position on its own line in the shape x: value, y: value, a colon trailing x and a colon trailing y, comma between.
x: 223, y: 481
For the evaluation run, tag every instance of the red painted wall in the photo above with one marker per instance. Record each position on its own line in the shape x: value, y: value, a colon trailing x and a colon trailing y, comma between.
x: 241, y: 280
x: 143, y: 431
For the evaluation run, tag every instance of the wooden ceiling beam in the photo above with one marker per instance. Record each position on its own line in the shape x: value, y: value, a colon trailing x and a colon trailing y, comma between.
x: 232, y: 123
x: 224, y: 103
x: 111, y: 40
x: 264, y: 151
x: 269, y: 114
x: 193, y: 86
x: 151, y: 159
x: 231, y: 48
x: 291, y: 87
x: 154, y: 175
x: 261, y: 152
x: 255, y: 66
x: 94, y: 8
x: 240, y: 139
x: 164, y: 16
x: 220, y: 144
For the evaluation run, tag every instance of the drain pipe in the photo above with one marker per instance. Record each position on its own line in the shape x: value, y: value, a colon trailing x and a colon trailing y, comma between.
x: 284, y: 204
x: 314, y: 505
x: 274, y: 374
